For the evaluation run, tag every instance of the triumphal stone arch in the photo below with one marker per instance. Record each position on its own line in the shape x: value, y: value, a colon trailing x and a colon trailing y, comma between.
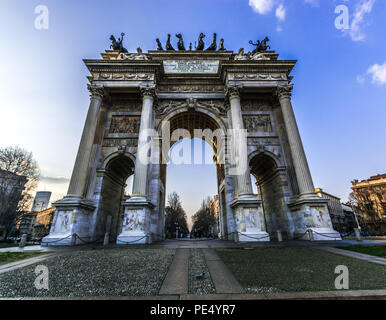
x: 142, y: 103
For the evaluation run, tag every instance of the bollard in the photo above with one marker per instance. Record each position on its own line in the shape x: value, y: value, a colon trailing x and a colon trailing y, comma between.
x: 107, y: 239
x: 279, y: 236
x: 358, y: 234
x: 310, y: 235
x: 73, y: 239
x: 23, y: 240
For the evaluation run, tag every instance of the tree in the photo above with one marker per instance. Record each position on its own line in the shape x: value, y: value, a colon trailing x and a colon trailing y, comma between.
x: 204, y: 219
x: 175, y: 215
x: 19, y: 174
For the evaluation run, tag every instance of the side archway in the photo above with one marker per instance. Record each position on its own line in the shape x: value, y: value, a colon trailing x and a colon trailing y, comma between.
x: 114, y: 172
x: 271, y: 185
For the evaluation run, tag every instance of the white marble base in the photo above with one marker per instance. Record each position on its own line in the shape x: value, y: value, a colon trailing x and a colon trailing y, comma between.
x: 254, y: 237
x: 325, y: 234
x: 132, y: 239
x: 58, y: 240
x: 72, y: 216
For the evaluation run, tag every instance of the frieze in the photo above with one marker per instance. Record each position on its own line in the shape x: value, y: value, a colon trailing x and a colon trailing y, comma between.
x: 255, y: 105
x: 258, y: 76
x: 124, y: 124
x: 120, y: 76
x: 130, y: 105
x: 165, y: 106
x: 119, y: 142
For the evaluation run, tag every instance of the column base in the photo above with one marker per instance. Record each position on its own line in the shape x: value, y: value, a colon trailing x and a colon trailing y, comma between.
x: 311, y: 214
x: 136, y: 222
x: 72, y: 216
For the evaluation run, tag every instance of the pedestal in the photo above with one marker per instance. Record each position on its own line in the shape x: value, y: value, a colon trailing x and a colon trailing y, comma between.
x: 312, y: 214
x: 72, y: 216
x: 136, y: 222
x: 250, y: 222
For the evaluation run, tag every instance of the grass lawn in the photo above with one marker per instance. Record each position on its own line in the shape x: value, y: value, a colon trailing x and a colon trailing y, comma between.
x: 104, y: 272
x: 378, y: 251
x: 8, y: 257
x: 295, y: 269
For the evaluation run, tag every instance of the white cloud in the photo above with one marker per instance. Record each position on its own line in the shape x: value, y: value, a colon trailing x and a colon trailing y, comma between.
x: 378, y: 73
x: 363, y: 8
x: 280, y: 12
x: 262, y: 6
x: 361, y: 79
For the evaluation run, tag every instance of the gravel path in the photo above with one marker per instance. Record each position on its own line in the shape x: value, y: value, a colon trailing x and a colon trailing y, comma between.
x: 197, y: 265
x: 114, y: 272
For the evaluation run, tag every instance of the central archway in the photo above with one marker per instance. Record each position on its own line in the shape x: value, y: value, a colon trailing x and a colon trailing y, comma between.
x: 198, y: 124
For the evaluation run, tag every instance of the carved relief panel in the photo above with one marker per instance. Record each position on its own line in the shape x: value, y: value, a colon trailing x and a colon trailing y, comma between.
x: 125, y: 124
x: 258, y: 123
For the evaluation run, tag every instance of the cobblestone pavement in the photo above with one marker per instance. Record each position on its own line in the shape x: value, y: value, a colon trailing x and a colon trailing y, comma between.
x: 114, y: 272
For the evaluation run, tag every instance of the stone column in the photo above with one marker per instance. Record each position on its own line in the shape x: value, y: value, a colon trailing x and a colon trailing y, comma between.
x: 79, y: 173
x: 303, y: 175
x: 140, y: 173
x: 240, y: 146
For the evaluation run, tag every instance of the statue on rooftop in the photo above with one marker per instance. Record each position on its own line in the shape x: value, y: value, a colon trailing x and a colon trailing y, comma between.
x: 117, y: 44
x: 213, y: 45
x: 221, y: 45
x: 180, y: 43
x: 261, y: 46
x: 169, y: 46
x: 159, y: 45
x: 201, y: 44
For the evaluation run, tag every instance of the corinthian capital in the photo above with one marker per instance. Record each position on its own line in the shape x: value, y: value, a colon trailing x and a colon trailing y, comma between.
x: 285, y: 91
x: 95, y: 91
x: 148, y: 91
x: 233, y: 91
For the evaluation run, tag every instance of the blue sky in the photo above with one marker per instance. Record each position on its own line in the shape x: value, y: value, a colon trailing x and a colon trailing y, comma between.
x: 340, y: 79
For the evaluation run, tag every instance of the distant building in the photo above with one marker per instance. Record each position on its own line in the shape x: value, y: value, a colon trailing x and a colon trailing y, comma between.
x: 371, y: 196
x: 42, y: 223
x: 26, y: 223
x: 11, y: 189
x: 336, y: 211
x: 36, y: 224
x: 214, y: 207
x: 42, y: 199
x: 352, y: 220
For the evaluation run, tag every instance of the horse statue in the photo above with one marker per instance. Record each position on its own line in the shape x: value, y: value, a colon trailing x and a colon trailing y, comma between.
x: 180, y: 43
x: 169, y: 46
x: 261, y: 46
x: 117, y: 44
x: 201, y: 44
x: 213, y: 45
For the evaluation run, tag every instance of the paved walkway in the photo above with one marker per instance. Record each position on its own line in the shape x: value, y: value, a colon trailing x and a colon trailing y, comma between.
x: 23, y: 263
x: 356, y: 255
x: 223, y: 279
x: 34, y: 248
x: 176, y: 280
